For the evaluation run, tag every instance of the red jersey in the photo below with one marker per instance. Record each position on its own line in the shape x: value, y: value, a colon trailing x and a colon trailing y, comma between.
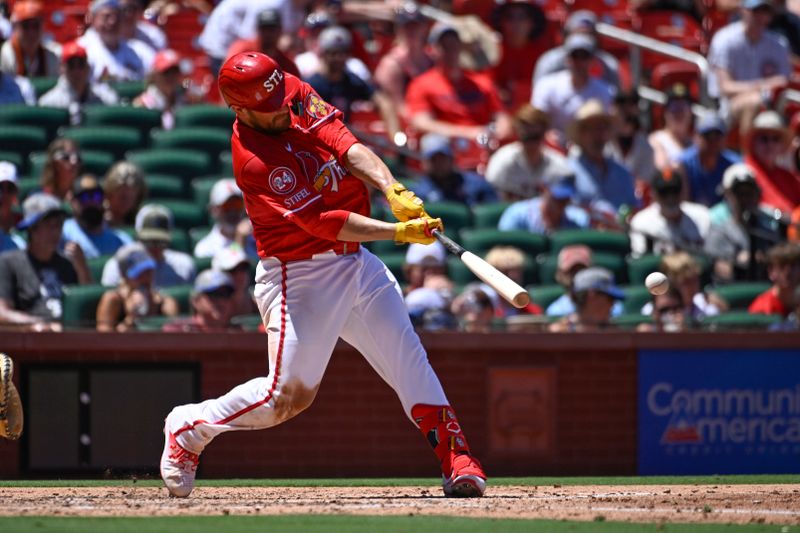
x: 296, y: 192
x: 768, y: 303
x: 471, y: 101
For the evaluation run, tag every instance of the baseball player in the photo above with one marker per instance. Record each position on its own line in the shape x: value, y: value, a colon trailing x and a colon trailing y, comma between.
x: 304, y: 177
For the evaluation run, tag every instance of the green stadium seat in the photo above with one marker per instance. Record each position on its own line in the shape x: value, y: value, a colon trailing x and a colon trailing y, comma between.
x: 188, y: 164
x: 387, y: 247
x: 96, y: 265
x: 196, y: 234
x: 182, y: 294
x: 212, y: 116
x: 115, y: 140
x: 395, y: 264
x: 740, y: 295
x: 379, y: 211
x: 598, y: 241
x: 544, y: 295
x: 79, y: 305
x: 42, y: 84
x: 741, y: 320
x: 486, y: 216
x: 635, y: 298
x: 180, y: 240
x: 185, y: 214
x: 202, y: 263
x: 455, y: 216
x: 22, y: 139
x: 128, y: 90
x: 92, y: 161
x: 210, y: 140
x: 480, y: 241
x: 25, y: 186
x: 226, y: 163
x: 548, y: 264
x: 631, y: 320
x: 132, y: 117
x: 48, y: 118
x: 201, y: 188
x: 640, y: 267
x: 22, y: 163
x: 247, y: 322
x: 164, y: 186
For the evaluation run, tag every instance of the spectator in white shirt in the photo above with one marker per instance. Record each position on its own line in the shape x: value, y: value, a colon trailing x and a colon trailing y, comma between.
x: 74, y: 88
x: 669, y: 225
x: 561, y: 94
x: 26, y: 53
x: 519, y: 169
x: 134, y: 26
x: 670, y: 141
x: 629, y: 145
x: 165, y: 87
x: 110, y: 56
x: 749, y: 63
x: 226, y: 205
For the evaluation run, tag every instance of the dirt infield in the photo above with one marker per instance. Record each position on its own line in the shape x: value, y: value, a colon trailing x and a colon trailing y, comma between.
x: 771, y: 504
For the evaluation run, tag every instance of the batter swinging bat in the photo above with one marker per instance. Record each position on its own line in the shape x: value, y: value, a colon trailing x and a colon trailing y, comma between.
x: 504, y: 286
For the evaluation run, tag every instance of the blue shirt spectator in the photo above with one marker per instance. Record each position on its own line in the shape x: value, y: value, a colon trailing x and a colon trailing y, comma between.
x: 87, y: 228
x: 443, y: 182
x: 706, y: 160
x: 16, y: 90
x: 546, y: 213
x: 106, y: 241
x: 8, y: 198
x: 564, y: 306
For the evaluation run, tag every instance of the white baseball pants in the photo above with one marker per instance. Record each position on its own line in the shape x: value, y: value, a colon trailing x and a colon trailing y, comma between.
x: 306, y: 306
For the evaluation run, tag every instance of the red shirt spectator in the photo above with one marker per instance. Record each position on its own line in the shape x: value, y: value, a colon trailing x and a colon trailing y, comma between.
x: 768, y: 141
x: 768, y: 303
x: 784, y: 273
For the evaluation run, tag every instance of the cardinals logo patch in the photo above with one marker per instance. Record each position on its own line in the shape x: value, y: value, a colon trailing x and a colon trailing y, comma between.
x: 282, y: 180
x: 316, y: 107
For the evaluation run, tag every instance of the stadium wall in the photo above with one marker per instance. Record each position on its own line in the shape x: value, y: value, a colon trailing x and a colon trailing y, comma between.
x: 530, y: 404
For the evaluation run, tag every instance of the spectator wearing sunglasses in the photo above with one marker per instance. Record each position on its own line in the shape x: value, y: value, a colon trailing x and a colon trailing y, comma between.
x: 706, y: 160
x: 212, y: 305
x: 233, y: 261
x: 26, y: 53
x: 629, y: 145
x: 226, y: 207
x: 61, y: 169
x: 9, y: 240
x: 87, y: 228
x: 74, y: 88
x: 154, y: 230
x: 517, y: 170
x: 769, y: 139
x: 668, y: 224
x: 669, y: 313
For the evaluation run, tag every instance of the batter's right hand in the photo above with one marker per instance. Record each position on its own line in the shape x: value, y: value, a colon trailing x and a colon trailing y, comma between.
x: 418, y: 230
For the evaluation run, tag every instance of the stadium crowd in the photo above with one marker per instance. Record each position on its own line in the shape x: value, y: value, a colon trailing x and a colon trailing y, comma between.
x: 545, y: 146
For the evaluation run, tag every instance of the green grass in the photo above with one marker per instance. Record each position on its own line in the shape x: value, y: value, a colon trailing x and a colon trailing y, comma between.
x: 357, y: 524
x: 404, y: 482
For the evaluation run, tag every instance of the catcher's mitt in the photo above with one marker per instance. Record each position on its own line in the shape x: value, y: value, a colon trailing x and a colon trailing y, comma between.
x: 10, y: 405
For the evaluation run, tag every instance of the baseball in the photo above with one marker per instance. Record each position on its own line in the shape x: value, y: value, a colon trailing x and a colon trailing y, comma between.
x: 657, y: 283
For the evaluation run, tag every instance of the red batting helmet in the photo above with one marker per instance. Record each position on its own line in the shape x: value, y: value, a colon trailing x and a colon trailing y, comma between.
x: 255, y: 81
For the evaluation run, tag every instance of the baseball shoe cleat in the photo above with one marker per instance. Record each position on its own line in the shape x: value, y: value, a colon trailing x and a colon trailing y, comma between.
x: 178, y: 466
x: 467, y: 480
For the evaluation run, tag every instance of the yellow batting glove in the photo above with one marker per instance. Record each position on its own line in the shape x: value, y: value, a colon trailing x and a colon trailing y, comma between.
x: 404, y: 203
x: 419, y: 230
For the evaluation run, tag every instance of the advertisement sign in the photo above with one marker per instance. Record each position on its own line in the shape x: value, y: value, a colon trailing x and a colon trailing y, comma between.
x: 719, y: 412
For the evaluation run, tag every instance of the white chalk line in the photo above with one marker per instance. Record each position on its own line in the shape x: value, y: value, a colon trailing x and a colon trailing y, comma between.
x: 777, y: 512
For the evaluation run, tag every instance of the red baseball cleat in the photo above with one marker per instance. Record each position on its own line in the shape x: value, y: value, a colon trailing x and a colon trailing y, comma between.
x: 178, y: 466
x: 467, y: 479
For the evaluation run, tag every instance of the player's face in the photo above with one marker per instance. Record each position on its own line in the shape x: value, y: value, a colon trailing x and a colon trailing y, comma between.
x: 270, y: 123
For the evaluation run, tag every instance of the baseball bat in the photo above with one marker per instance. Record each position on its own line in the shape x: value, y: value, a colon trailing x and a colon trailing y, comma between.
x: 505, y: 286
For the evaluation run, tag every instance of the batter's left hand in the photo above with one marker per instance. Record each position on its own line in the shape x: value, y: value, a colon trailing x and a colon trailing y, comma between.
x: 405, y: 204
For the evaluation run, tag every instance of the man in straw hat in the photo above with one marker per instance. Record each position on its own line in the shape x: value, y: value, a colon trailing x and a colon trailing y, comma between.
x: 600, y: 181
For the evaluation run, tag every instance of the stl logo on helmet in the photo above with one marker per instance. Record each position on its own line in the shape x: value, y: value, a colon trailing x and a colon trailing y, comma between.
x: 271, y: 83
x: 282, y: 180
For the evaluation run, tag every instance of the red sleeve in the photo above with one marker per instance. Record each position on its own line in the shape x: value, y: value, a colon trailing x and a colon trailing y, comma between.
x: 765, y: 304
x: 416, y: 98
x: 286, y: 191
x: 323, y: 121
